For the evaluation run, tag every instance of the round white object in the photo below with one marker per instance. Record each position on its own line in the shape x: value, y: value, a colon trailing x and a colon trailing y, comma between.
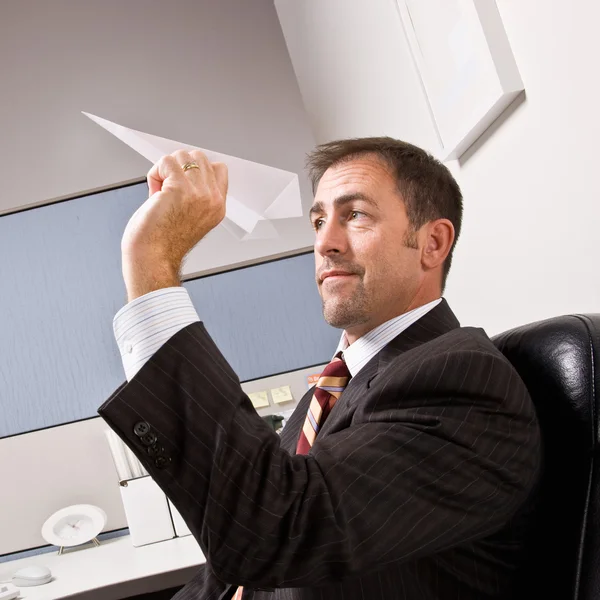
x: 74, y: 525
x: 32, y: 575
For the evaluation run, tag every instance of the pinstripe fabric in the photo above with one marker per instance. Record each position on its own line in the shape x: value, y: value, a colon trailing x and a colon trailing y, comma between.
x: 417, y: 487
x: 145, y: 324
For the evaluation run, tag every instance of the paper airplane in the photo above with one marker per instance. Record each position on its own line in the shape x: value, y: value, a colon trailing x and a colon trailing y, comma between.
x: 257, y: 193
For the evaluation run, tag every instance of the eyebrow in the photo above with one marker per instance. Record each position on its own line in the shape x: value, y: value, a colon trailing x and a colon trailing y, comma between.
x: 318, y: 208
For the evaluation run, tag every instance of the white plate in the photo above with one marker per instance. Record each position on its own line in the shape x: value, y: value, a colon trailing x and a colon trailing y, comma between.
x: 74, y: 525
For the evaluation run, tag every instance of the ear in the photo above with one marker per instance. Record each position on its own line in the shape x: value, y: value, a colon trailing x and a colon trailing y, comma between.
x: 438, y: 239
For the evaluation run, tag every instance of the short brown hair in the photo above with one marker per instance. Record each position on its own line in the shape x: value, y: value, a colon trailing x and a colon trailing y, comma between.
x: 426, y: 185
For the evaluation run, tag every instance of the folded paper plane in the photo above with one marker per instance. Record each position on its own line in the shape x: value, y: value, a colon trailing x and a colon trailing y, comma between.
x: 257, y: 193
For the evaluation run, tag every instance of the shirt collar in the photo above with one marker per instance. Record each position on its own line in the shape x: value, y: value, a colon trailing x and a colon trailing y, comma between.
x: 358, y: 354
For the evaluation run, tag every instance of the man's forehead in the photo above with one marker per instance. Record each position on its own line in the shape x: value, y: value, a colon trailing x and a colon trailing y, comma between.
x: 363, y: 174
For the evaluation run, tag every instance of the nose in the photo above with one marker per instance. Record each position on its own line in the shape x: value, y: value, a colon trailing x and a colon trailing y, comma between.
x: 331, y: 238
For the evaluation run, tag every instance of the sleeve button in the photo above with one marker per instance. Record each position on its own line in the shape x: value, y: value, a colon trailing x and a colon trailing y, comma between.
x: 141, y: 428
x: 154, y: 450
x: 148, y: 439
x: 162, y: 461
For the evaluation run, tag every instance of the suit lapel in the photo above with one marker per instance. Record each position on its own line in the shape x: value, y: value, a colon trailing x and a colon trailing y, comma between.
x: 291, y: 432
x: 436, y: 322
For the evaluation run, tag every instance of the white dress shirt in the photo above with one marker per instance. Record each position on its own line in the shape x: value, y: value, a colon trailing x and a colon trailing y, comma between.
x: 145, y: 324
x: 358, y: 354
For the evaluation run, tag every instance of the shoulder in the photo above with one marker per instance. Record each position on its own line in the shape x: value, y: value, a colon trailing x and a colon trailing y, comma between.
x: 463, y: 360
x: 472, y: 342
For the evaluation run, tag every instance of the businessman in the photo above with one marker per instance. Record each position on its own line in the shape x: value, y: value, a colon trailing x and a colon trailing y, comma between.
x: 408, y: 472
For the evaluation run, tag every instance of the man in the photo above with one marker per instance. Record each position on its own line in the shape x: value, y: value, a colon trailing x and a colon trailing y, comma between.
x: 407, y: 472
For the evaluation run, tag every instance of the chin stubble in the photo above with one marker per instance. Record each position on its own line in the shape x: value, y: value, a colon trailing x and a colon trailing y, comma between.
x: 347, y: 313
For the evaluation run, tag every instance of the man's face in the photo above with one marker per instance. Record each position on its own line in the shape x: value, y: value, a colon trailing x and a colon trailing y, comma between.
x: 367, y: 268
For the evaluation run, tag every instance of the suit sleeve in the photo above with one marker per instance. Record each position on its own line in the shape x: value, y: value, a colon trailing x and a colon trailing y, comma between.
x: 424, y: 466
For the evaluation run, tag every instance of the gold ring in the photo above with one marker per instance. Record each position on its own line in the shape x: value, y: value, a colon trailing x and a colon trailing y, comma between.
x: 190, y: 165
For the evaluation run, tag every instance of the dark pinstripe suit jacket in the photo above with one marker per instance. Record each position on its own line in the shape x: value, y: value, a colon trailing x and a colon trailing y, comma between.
x: 417, y: 486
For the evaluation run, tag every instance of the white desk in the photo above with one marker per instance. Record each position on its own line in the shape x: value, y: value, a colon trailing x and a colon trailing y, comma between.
x: 113, y: 570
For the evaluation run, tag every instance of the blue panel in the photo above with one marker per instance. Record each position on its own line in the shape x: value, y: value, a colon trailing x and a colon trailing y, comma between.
x: 60, y: 272
x: 266, y: 319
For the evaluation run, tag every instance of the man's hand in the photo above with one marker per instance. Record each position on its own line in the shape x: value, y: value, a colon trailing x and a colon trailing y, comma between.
x: 182, y: 208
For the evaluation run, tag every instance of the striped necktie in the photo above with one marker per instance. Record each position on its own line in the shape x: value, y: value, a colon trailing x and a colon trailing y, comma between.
x: 329, y: 388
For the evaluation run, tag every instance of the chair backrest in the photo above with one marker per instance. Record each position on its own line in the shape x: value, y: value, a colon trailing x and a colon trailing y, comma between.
x: 559, y: 361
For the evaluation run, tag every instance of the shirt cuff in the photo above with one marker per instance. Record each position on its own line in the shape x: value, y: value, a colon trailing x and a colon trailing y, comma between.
x: 145, y: 324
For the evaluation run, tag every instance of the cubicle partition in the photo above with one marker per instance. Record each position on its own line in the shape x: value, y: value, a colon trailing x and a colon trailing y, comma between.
x: 61, y: 283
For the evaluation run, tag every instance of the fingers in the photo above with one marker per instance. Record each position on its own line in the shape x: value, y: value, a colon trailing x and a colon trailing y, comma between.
x: 222, y: 177
x: 203, y: 175
x: 170, y: 167
x: 166, y: 167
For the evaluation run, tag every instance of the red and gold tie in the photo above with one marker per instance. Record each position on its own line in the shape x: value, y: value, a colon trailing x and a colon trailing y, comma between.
x: 329, y: 388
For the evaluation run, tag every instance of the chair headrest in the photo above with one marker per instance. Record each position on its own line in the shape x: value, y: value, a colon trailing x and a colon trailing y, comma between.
x: 559, y: 361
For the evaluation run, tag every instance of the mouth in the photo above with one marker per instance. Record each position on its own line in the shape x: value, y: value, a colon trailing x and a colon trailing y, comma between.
x: 336, y: 276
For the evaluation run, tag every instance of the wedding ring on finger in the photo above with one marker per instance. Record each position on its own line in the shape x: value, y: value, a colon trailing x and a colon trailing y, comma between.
x: 190, y: 165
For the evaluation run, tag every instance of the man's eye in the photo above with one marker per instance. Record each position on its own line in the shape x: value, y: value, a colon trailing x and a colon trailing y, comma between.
x: 317, y: 224
x: 355, y: 213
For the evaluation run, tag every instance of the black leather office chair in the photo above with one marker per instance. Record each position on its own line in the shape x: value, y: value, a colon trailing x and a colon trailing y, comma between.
x: 559, y: 360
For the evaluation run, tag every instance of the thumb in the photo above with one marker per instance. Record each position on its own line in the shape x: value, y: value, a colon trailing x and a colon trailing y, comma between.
x: 222, y: 177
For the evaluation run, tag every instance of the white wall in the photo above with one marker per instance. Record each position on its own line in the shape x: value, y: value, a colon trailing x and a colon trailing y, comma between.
x: 528, y: 249
x: 213, y: 74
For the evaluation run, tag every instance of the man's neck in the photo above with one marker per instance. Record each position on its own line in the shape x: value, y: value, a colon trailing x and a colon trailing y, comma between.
x: 354, y: 333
